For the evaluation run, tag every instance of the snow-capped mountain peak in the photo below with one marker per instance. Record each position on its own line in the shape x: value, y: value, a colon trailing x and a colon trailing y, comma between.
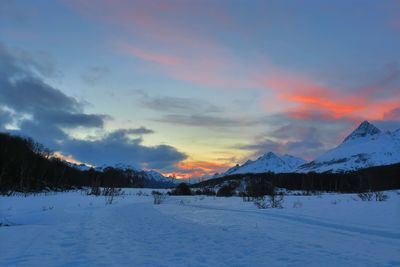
x: 293, y: 161
x: 366, y: 147
x: 363, y: 130
x: 269, y: 162
x: 269, y: 156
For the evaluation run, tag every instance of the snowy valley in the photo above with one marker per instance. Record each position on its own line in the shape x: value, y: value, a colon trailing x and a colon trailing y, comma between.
x: 73, y: 229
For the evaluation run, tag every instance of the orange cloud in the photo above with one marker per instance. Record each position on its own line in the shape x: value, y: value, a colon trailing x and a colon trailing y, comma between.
x: 69, y: 158
x: 311, y: 100
x: 205, y: 166
x: 189, y: 169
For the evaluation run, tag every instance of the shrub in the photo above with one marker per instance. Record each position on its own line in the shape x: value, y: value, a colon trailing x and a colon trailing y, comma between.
x: 366, y: 196
x: 182, y: 190
x: 259, y: 187
x: 226, y: 191
x: 158, y: 197
x: 273, y: 202
x: 276, y: 201
x: 205, y: 191
x: 369, y: 196
x: 380, y: 196
x: 94, y: 190
x: 110, y: 193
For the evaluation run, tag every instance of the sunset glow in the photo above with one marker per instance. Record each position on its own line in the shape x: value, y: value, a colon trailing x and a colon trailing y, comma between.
x: 193, y: 88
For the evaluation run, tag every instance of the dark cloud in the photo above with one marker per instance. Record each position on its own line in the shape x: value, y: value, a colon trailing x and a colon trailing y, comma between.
x: 141, y: 131
x: 119, y: 146
x: 94, y: 75
x: 126, y: 134
x: 44, y: 113
x: 47, y: 110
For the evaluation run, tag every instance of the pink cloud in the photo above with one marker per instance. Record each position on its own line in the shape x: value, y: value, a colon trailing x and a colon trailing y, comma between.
x: 150, y: 56
x: 156, y: 27
x: 310, y: 100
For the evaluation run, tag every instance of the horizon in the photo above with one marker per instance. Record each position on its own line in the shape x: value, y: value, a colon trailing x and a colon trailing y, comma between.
x: 193, y: 88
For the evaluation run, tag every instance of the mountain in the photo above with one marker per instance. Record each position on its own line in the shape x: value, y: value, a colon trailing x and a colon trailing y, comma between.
x: 158, y: 177
x: 366, y: 146
x: 81, y: 167
x: 269, y: 162
x: 150, y: 175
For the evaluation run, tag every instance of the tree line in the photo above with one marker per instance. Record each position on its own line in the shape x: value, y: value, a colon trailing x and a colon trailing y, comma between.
x: 369, y: 179
x: 27, y: 166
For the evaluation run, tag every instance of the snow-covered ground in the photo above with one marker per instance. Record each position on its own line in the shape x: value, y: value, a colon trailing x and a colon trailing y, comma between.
x: 72, y: 229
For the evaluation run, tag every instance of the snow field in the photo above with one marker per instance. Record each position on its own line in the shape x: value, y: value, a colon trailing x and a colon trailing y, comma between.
x: 72, y: 229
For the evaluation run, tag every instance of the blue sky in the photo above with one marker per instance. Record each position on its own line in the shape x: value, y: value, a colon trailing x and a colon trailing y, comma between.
x: 213, y: 82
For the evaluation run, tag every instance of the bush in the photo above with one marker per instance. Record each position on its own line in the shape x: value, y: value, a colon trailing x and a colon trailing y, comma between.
x: 260, y: 203
x: 226, y: 191
x: 95, y: 190
x: 366, y: 196
x: 276, y: 201
x: 369, y: 196
x: 182, y: 190
x: 380, y: 196
x: 273, y: 201
x: 205, y: 191
x: 259, y: 187
x: 110, y: 193
x: 158, y: 197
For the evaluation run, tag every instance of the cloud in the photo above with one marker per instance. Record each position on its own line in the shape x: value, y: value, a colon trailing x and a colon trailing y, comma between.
x: 188, y: 169
x: 215, y: 67
x: 392, y: 115
x: 177, y: 104
x: 307, y: 139
x: 42, y: 110
x: 306, y: 148
x: 311, y: 100
x: 141, y: 131
x: 149, y: 56
x: 126, y: 134
x: 94, y: 75
x: 206, y: 121
x: 45, y: 113
x: 181, y: 51
x: 120, y: 147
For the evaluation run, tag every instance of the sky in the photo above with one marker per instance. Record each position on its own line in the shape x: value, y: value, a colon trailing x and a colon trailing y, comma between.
x: 190, y: 88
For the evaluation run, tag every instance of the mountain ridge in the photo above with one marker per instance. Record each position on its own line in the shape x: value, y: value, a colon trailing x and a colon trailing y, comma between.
x: 269, y: 162
x: 366, y: 146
